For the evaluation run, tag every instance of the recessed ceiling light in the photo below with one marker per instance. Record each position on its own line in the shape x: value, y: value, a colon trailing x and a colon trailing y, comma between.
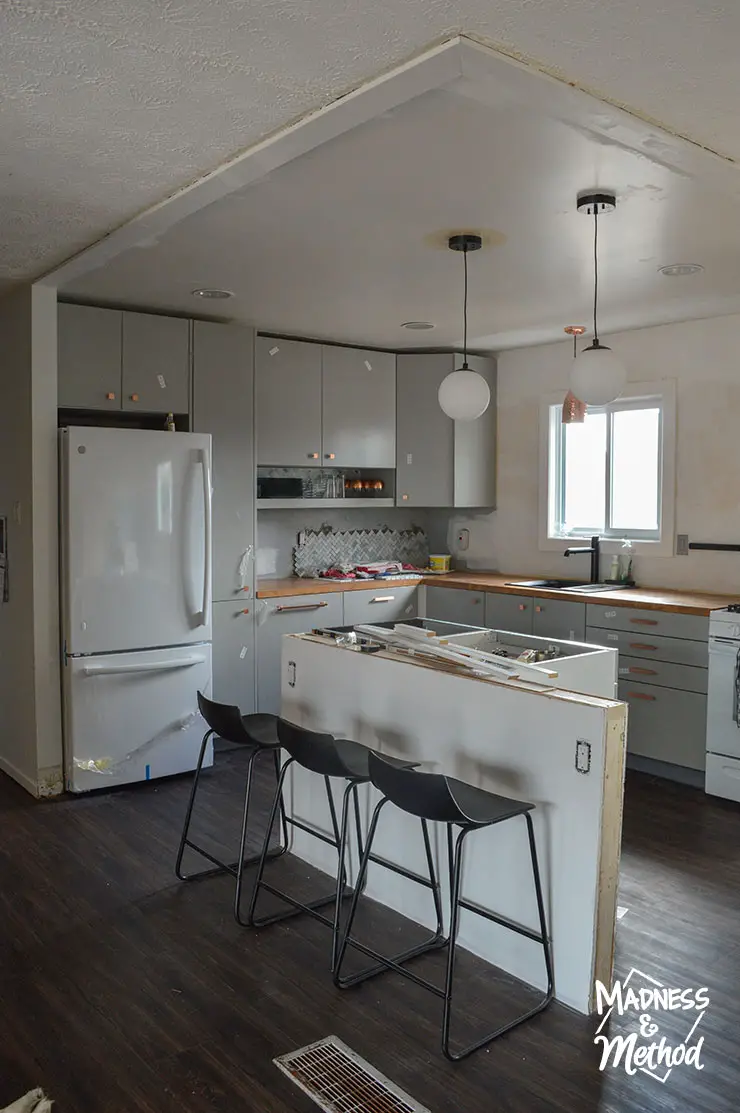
x: 216, y: 295
x: 678, y: 270
x: 419, y: 326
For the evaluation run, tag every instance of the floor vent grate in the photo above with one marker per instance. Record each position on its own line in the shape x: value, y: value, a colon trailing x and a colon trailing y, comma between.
x: 339, y: 1081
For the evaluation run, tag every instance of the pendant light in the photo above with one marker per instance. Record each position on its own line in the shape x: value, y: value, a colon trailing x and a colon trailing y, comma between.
x: 574, y: 411
x: 464, y: 394
x: 598, y: 376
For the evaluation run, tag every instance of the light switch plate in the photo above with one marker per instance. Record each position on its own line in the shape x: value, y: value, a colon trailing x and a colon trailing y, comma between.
x: 682, y: 544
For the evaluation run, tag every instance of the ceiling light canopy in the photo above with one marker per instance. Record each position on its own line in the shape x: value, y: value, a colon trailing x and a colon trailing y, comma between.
x: 598, y: 375
x: 464, y: 394
x: 680, y: 270
x: 213, y: 293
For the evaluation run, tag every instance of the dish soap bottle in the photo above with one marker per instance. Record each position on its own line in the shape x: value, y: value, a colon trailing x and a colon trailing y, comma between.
x: 615, y: 571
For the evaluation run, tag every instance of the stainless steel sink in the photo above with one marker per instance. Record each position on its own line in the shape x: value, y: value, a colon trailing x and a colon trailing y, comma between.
x: 565, y: 585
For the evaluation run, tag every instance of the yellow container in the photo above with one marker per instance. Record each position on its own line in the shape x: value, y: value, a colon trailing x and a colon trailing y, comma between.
x: 439, y: 562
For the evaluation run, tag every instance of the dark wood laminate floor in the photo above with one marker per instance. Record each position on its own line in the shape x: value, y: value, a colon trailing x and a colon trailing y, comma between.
x: 124, y: 990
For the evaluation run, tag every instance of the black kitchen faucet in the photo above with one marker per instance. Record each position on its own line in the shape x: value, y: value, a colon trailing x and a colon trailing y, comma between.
x: 595, y: 550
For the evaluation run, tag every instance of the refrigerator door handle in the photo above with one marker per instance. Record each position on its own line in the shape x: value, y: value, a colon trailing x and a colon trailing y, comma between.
x: 154, y: 666
x: 207, y: 511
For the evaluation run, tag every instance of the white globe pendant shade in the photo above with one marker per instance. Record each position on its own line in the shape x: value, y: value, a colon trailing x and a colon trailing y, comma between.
x: 464, y: 395
x: 597, y: 376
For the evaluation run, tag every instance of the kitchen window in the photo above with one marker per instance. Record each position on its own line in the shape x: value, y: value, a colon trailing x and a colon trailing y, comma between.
x: 612, y: 474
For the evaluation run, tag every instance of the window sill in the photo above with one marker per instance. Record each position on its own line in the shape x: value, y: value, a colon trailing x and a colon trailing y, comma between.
x: 609, y: 546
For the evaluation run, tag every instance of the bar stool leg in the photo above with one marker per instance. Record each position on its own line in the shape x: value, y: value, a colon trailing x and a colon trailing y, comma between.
x: 350, y: 790
x: 276, y: 805
x: 541, y: 910
x: 188, y: 815
x: 454, y: 927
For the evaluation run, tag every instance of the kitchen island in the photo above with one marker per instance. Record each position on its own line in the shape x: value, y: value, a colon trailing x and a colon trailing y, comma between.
x: 562, y: 751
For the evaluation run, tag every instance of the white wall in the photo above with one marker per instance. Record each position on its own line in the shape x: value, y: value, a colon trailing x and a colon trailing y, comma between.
x: 30, y: 740
x: 704, y: 359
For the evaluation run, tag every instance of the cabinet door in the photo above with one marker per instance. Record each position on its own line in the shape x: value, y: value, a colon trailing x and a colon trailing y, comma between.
x: 425, y: 435
x: 560, y: 619
x: 293, y: 615
x: 665, y: 724
x: 380, y: 604
x: 89, y: 357
x: 452, y: 605
x: 233, y: 655
x: 288, y: 403
x: 475, y: 448
x: 222, y: 406
x: 156, y: 363
x: 509, y: 612
x: 359, y: 408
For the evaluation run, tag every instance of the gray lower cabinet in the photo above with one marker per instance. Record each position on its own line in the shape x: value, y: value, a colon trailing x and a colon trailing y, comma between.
x: 358, y: 408
x: 560, y: 618
x: 509, y: 612
x: 223, y: 358
x: 288, y: 402
x: 292, y: 615
x: 440, y: 462
x: 233, y: 655
x: 156, y: 363
x: 381, y: 604
x: 89, y: 357
x: 665, y: 724
x: 453, y: 605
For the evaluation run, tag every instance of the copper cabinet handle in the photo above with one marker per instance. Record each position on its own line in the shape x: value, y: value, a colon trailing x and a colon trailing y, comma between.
x: 523, y: 607
x: 640, y: 695
x: 312, y: 455
x: 330, y: 455
x: 245, y: 611
x: 641, y: 645
x: 301, y: 607
x: 538, y: 609
x: 404, y: 497
x: 134, y: 397
x: 110, y: 396
x: 642, y: 672
x: 644, y: 621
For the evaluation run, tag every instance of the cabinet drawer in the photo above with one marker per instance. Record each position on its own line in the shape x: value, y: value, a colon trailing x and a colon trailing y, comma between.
x: 723, y: 777
x: 380, y: 604
x: 686, y: 678
x: 652, y: 646
x: 295, y: 614
x: 690, y: 626
x: 666, y: 725
x: 451, y: 605
x: 509, y: 612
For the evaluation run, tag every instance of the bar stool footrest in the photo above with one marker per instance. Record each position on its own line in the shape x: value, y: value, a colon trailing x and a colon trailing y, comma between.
x: 504, y: 921
x: 298, y: 907
x: 223, y: 867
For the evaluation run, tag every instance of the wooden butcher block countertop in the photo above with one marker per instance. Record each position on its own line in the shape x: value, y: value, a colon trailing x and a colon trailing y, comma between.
x: 648, y: 598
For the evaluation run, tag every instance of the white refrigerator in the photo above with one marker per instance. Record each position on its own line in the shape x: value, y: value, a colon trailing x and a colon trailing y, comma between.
x: 136, y: 602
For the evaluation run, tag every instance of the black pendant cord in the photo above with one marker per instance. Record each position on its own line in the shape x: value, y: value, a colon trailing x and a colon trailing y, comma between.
x: 465, y: 310
x: 596, y: 272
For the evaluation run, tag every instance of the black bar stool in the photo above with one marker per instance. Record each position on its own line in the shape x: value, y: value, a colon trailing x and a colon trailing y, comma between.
x: 259, y: 733
x: 436, y: 798
x: 331, y: 758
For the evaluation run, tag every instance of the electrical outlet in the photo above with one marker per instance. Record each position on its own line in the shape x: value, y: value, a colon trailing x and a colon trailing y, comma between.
x: 463, y: 539
x: 682, y: 544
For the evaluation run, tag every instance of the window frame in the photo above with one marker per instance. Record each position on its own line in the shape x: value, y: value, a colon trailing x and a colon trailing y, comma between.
x: 661, y: 395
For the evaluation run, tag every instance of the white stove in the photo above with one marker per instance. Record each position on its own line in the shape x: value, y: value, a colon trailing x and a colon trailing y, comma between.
x: 723, y: 704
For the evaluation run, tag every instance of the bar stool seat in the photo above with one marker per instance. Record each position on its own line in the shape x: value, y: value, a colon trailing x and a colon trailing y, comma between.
x: 433, y: 797
x: 257, y: 733
x: 333, y: 759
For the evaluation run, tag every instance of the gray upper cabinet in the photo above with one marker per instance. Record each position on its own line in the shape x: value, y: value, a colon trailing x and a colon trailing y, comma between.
x: 89, y: 357
x: 561, y: 619
x: 288, y: 402
x: 223, y: 361
x: 156, y: 363
x: 359, y: 408
x: 440, y: 462
x: 425, y: 435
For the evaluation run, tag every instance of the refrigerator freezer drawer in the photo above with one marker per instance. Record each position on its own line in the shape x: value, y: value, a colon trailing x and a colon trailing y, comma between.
x: 133, y: 716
